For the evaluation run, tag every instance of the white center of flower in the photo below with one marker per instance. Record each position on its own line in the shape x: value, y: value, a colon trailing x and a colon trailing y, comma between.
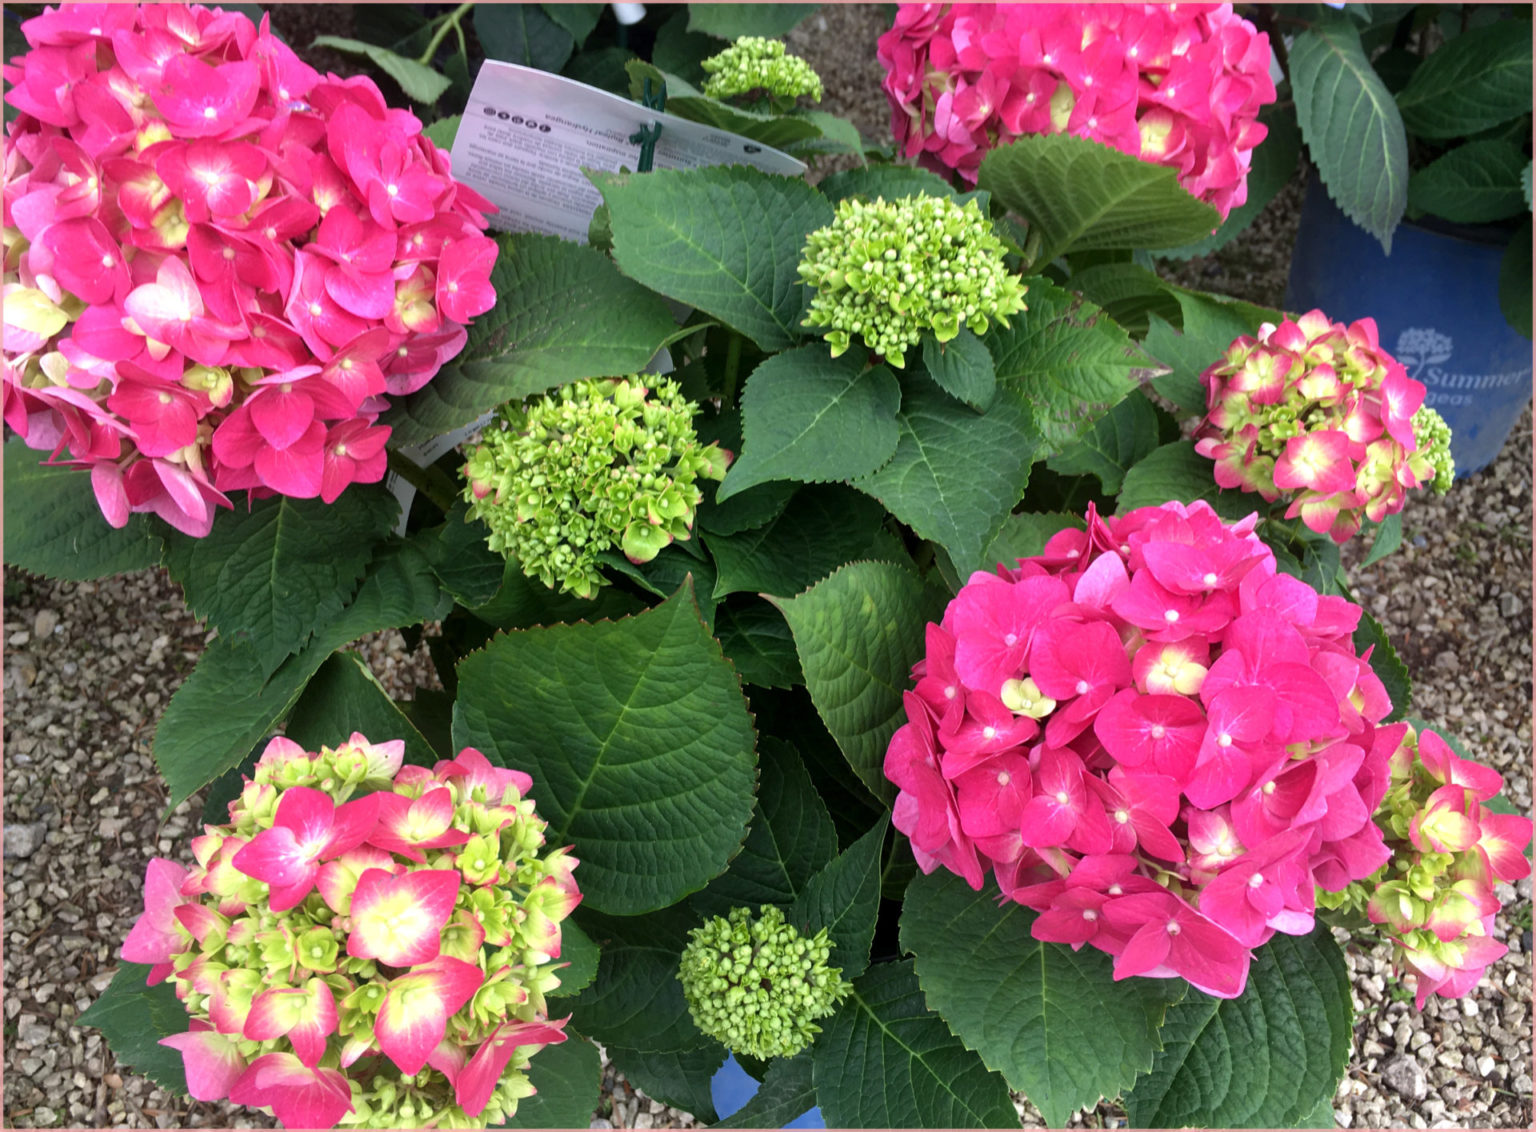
x: 1073, y: 553
x: 393, y: 190
x: 1063, y: 797
x: 1093, y: 123
x: 1269, y: 787
x: 1082, y: 687
x: 1255, y: 880
x: 340, y: 450
x: 1133, y: 52
x: 1114, y: 890
x: 347, y: 364
x: 949, y: 692
x: 165, y: 398
x: 286, y: 387
x: 106, y: 260
x: 1210, y: 579
x: 1223, y: 740
x: 1090, y: 915
x: 1173, y: 927
x: 989, y: 733
x: 316, y: 310
x: 229, y: 253
x: 210, y: 113
x: 269, y: 232
x: 1171, y: 616
x: 1122, y: 816
x: 1047, y: 59
x: 1158, y: 731
x: 1011, y: 639
x: 1004, y: 778
x: 317, y: 951
x: 453, y: 286
x: 1171, y: 92
x: 1088, y: 80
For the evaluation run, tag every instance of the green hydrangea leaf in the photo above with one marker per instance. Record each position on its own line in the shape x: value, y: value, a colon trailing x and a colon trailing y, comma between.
x: 563, y: 312
x: 889, y: 181
x: 813, y: 418
x: 1122, y: 437
x: 887, y: 1061
x: 838, y: 136
x: 786, y: 1092
x: 468, y: 568
x: 1050, y: 1019
x: 1474, y: 82
x: 747, y: 509
x: 1266, y: 1059
x: 419, y: 82
x: 1177, y: 471
x: 1515, y: 280
x: 522, y: 34
x: 937, y: 485
x: 226, y: 707
x: 1389, y: 668
x: 627, y: 725
x: 133, y: 1017
x: 569, y: 1079
x: 858, y: 634
x: 725, y: 239
x: 1474, y: 183
x: 1080, y: 195
x: 523, y: 602
x: 679, y: 1078
x: 636, y: 998
x: 1389, y: 536
x: 1065, y: 360
x: 844, y: 897
x: 1024, y: 536
x: 54, y: 527
x: 791, y: 837
x: 343, y: 696
x: 963, y: 368
x: 1209, y: 328
x: 580, y: 954
x: 757, y: 639
x: 273, y: 571
x: 731, y: 21
x: 1128, y: 292
x: 824, y: 526
x: 443, y: 131
x: 578, y: 19
x: 1353, y: 130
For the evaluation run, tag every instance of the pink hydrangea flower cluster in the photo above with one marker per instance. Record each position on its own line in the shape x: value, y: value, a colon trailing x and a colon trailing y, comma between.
x: 219, y: 265
x: 1436, y: 896
x: 364, y: 942
x: 1151, y: 737
x: 1320, y: 412
x: 1179, y: 85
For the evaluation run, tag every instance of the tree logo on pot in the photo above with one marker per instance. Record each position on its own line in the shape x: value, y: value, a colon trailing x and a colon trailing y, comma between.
x: 1420, y: 346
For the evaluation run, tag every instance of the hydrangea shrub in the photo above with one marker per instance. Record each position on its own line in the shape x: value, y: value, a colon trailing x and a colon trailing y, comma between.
x: 219, y: 265
x: 1318, y: 412
x: 364, y: 943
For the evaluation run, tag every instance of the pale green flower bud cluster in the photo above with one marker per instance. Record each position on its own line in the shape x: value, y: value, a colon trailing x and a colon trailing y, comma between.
x: 1434, y: 437
x: 758, y: 985
x: 753, y: 63
x: 890, y: 272
x: 564, y: 477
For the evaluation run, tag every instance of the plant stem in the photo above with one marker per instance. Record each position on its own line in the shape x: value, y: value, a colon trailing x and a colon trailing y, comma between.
x: 1264, y: 17
x: 452, y: 22
x: 732, y: 365
x: 430, y: 481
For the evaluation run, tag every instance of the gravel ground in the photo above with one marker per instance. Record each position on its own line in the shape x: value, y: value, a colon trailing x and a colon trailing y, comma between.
x: 89, y: 667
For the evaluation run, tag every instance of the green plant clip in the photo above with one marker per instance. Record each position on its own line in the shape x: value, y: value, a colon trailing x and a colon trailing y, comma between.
x: 646, y: 137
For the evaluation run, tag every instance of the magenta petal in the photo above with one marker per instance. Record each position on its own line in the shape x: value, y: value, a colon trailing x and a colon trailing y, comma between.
x: 212, y: 1062
x: 274, y: 857
x: 365, y: 294
x: 297, y: 470
x: 282, y: 416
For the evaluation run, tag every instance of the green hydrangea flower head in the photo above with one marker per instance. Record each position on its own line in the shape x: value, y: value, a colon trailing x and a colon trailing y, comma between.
x: 1434, y: 437
x: 757, y: 985
x: 596, y: 464
x: 891, y: 271
x: 753, y: 63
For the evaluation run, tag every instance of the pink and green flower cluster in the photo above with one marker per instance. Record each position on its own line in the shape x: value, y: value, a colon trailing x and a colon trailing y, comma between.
x: 1318, y: 412
x: 1151, y: 737
x: 1436, y: 896
x: 219, y: 265
x: 1174, y: 84
x: 364, y: 943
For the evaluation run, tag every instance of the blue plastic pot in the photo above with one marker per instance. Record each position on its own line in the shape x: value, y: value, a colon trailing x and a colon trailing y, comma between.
x: 731, y: 1087
x: 1435, y: 301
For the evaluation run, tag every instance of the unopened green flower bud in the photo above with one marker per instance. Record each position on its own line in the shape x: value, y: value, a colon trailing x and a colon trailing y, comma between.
x: 758, y: 985
x: 753, y: 63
